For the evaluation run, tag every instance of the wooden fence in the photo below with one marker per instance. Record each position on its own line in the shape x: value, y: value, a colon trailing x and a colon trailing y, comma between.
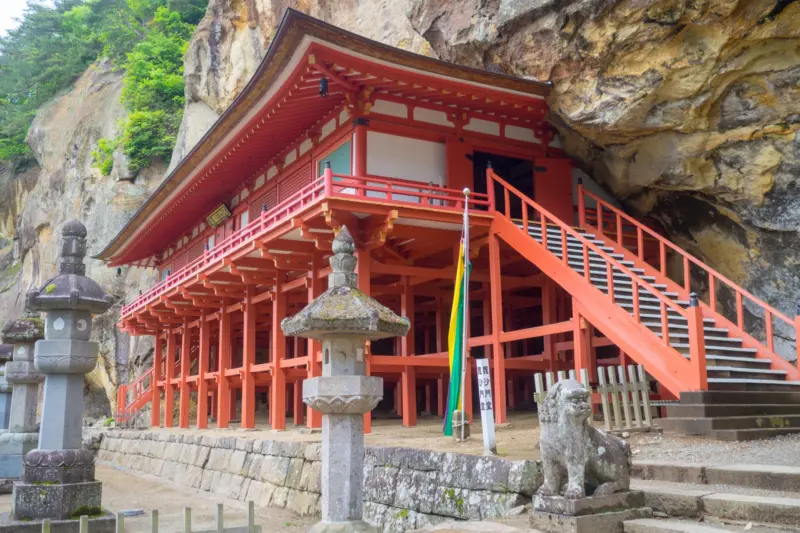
x: 250, y: 527
x: 624, y: 395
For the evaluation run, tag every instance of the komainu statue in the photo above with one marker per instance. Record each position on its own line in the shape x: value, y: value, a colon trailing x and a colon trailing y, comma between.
x: 578, y: 459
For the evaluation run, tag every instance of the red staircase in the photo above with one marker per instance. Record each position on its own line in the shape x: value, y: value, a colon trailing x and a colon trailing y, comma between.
x: 684, y: 341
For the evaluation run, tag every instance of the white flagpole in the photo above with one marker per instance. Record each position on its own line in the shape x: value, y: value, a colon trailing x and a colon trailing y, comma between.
x: 465, y: 328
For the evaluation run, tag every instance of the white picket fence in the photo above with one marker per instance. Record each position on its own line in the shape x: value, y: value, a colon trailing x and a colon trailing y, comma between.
x: 250, y: 527
x: 624, y: 394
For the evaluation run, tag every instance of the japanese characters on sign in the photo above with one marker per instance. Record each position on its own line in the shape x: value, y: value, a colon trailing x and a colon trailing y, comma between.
x: 218, y: 216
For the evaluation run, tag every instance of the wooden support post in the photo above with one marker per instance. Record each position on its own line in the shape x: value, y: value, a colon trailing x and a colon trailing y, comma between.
x: 581, y: 349
x: 249, y: 359
x: 298, y: 408
x: 549, y: 316
x: 224, y: 363
x: 364, y: 285
x: 233, y: 404
x: 398, y: 399
x: 185, y: 364
x: 440, y: 392
x: 155, y: 404
x: 427, y: 398
x: 277, y: 408
x: 697, y: 344
x: 169, y: 391
x: 314, y: 418
x: 360, y: 148
x: 409, y: 377
x: 498, y: 358
x: 527, y: 392
x: 510, y: 390
x: 202, y: 383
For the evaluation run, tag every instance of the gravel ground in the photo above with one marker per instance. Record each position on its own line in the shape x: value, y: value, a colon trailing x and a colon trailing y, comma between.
x: 784, y: 451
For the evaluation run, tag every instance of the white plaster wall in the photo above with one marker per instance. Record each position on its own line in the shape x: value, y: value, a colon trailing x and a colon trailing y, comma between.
x: 393, y: 156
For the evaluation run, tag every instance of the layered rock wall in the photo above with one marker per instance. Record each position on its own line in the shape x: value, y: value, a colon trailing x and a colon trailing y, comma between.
x: 403, y: 488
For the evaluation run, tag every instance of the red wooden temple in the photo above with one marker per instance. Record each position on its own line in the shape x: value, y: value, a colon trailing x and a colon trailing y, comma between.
x: 335, y: 129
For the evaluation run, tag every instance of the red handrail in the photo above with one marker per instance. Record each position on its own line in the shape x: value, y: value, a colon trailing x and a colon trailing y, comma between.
x: 714, y: 277
x: 328, y: 185
x: 544, y: 218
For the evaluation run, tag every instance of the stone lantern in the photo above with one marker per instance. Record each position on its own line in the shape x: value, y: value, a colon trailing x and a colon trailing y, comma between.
x: 5, y: 388
x: 343, y: 318
x: 22, y: 435
x: 58, y: 477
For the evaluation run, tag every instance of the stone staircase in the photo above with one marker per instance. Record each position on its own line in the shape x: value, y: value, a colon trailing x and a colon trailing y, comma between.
x: 718, y: 499
x: 731, y: 366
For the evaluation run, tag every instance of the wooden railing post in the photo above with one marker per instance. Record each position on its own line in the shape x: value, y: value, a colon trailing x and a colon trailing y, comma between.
x: 490, y: 187
x: 581, y: 205
x: 697, y: 345
x: 328, y: 176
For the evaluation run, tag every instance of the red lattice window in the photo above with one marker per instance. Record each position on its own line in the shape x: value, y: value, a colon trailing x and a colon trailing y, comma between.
x: 179, y: 262
x: 196, y: 251
x: 295, y: 181
x: 269, y: 197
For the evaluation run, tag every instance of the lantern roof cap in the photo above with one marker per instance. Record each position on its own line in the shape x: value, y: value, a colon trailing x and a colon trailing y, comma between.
x: 27, y: 328
x: 70, y: 289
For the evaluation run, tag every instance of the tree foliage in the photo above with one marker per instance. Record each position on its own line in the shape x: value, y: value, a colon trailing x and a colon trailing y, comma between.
x: 57, y: 41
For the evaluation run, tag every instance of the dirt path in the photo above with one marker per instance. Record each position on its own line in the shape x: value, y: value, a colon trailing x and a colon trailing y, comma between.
x: 123, y: 490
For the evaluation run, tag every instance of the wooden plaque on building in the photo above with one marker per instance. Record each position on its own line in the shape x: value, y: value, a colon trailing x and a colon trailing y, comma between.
x: 218, y: 216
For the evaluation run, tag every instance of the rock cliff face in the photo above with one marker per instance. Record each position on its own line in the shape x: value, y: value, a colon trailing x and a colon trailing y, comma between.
x: 687, y: 110
x: 62, y: 186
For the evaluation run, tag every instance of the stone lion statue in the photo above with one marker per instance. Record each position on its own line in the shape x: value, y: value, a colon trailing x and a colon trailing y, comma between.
x: 578, y: 459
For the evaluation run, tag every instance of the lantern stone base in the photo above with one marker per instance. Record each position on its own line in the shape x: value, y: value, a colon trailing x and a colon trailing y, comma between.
x: 601, y: 514
x: 104, y: 523
x: 355, y: 526
x: 35, y: 501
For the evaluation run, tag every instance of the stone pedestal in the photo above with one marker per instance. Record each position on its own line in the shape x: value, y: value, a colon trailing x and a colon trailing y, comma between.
x: 58, y: 477
x: 595, y: 514
x: 343, y: 318
x: 5, y: 390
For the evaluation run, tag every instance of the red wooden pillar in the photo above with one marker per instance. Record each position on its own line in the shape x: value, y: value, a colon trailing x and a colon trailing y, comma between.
x: 277, y: 408
x: 234, y: 403
x: 360, y: 147
x: 498, y: 359
x: 428, y: 398
x: 440, y: 392
x: 249, y: 359
x: 364, y: 271
x: 398, y: 398
x: 169, y: 391
x: 314, y: 418
x: 527, y: 391
x: 579, y: 340
x: 202, y: 384
x: 186, y: 344
x: 549, y: 316
x: 155, y: 404
x: 511, y: 390
x: 224, y: 356
x: 409, y: 375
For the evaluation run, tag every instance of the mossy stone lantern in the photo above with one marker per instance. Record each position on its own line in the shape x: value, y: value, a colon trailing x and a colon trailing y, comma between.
x: 343, y: 318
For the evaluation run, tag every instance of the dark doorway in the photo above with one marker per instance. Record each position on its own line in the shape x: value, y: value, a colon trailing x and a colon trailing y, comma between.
x: 517, y: 172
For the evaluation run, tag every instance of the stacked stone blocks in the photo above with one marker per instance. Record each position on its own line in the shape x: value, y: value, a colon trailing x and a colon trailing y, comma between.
x: 403, y: 488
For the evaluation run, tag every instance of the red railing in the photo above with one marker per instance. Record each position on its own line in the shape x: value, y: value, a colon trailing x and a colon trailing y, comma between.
x: 329, y: 185
x: 714, y: 278
x: 534, y: 213
x: 132, y: 396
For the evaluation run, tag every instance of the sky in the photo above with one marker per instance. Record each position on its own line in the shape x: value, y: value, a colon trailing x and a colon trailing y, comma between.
x: 9, y: 10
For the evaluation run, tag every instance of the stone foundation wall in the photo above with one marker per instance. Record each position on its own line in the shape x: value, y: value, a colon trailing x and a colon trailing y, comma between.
x: 403, y: 488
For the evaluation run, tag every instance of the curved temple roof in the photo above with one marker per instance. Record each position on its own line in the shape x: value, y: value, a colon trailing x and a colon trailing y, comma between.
x: 280, y: 104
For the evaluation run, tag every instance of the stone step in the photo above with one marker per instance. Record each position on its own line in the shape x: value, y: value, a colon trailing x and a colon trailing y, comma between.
x: 738, y: 435
x: 783, y: 397
x: 718, y: 349
x: 739, y: 362
x: 724, y: 409
x: 712, y: 331
x: 767, y: 477
x: 706, y: 426
x: 654, y: 525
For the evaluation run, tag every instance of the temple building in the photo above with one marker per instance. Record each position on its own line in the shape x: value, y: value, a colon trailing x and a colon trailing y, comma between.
x: 337, y: 130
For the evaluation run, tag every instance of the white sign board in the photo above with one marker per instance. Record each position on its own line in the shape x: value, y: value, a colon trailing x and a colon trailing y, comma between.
x: 487, y: 408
